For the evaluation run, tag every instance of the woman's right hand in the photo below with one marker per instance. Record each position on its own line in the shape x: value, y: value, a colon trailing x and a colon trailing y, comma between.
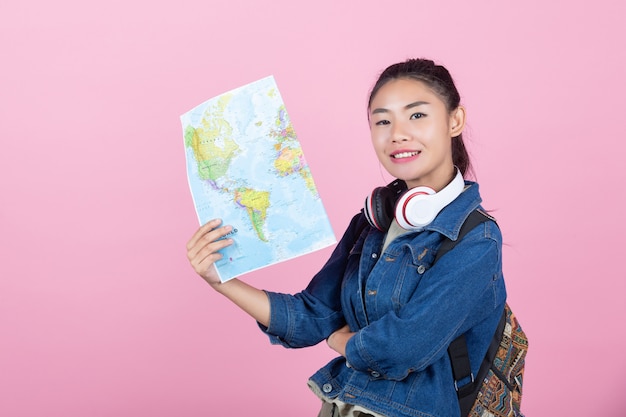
x: 203, y: 247
x: 202, y: 251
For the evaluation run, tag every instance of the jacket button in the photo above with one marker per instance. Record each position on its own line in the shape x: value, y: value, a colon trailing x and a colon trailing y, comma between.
x: 327, y: 388
x: 375, y: 374
x: 421, y: 269
x: 374, y: 255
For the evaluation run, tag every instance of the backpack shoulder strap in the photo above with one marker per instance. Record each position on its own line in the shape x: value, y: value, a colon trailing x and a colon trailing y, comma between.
x: 475, y: 218
x: 362, y: 223
x: 457, y: 351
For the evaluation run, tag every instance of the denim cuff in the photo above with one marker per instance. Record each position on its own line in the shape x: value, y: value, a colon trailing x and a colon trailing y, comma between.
x: 279, y: 329
x: 359, y: 359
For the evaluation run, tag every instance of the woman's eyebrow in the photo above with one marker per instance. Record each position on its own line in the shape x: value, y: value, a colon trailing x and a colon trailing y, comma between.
x: 415, y: 104
x: 408, y: 106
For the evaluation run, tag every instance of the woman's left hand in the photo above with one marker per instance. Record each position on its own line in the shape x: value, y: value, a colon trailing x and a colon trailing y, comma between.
x: 338, y: 340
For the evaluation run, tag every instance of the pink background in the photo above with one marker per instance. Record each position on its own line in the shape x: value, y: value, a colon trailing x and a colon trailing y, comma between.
x: 100, y: 313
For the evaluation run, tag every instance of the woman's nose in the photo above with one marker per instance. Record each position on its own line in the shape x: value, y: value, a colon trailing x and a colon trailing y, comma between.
x: 398, y: 133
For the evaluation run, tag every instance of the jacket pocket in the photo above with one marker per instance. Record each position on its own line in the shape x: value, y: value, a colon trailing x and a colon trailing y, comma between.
x: 406, y: 277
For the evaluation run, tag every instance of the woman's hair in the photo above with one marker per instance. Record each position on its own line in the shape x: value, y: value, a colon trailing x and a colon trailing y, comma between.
x: 438, y: 79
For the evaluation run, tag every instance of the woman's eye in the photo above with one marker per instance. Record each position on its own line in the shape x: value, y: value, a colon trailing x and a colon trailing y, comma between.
x: 382, y: 122
x: 417, y: 115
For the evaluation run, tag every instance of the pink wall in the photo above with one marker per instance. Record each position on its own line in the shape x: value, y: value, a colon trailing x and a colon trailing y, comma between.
x: 100, y: 314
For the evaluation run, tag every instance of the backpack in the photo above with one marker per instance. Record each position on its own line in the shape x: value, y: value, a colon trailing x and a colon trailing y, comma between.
x: 496, y: 391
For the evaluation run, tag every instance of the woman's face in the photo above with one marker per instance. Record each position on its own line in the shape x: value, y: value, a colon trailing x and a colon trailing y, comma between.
x: 412, y: 133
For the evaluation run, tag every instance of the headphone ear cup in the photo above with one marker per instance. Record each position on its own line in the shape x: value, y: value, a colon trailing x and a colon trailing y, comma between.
x: 419, y: 206
x: 380, y: 208
x: 416, y: 209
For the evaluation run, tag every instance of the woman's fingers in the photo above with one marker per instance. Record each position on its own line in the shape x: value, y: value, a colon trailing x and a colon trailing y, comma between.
x: 202, y: 231
x: 205, y: 236
x: 204, y: 246
x: 209, y: 251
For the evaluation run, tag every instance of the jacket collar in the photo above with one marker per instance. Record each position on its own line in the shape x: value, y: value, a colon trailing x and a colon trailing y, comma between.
x: 450, y: 219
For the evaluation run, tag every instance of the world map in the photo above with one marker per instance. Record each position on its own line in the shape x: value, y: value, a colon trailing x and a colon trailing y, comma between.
x: 246, y: 166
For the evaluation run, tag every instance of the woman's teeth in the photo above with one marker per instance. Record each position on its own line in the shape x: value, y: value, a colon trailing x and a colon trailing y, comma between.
x: 404, y: 155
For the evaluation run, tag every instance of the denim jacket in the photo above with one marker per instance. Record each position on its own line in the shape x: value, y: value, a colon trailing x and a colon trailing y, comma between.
x: 404, y: 313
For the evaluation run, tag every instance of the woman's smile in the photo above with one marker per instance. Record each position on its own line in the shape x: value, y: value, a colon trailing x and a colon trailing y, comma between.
x: 403, y: 156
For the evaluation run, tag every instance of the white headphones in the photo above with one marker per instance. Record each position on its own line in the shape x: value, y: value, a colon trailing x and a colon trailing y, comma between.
x: 415, y: 209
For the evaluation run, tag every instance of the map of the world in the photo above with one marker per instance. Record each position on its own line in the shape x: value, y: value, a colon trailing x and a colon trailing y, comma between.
x: 246, y: 167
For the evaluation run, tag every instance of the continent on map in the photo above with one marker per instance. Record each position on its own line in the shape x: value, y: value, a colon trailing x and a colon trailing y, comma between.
x: 256, y: 204
x: 290, y: 158
x: 212, y: 143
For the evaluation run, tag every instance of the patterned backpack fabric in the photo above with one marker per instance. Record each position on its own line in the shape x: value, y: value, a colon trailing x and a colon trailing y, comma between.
x: 500, y: 392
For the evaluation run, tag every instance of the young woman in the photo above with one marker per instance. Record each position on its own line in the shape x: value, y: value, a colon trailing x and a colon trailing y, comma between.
x: 380, y: 301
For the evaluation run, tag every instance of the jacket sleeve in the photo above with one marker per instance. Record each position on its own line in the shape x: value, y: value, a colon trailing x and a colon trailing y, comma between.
x: 307, y: 318
x: 462, y: 289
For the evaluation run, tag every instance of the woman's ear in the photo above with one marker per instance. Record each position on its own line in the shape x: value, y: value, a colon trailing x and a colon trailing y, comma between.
x: 457, y: 121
